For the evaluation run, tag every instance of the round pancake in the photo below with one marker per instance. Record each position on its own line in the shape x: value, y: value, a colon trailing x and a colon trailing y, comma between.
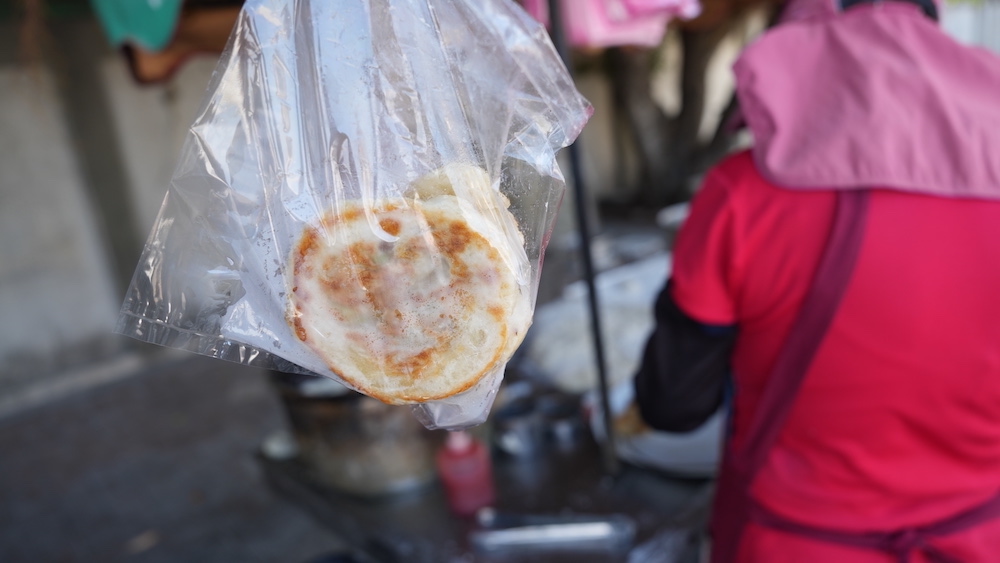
x: 413, y: 301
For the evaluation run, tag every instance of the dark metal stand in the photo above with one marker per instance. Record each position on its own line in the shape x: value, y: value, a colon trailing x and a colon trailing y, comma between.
x: 608, y: 449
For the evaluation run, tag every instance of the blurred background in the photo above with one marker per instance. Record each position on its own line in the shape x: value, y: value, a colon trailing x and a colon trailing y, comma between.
x: 112, y: 450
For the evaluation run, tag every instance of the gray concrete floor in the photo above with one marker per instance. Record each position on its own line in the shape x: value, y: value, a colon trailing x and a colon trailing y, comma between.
x: 155, y: 467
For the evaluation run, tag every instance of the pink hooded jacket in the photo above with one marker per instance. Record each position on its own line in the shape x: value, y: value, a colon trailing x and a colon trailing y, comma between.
x: 825, y: 99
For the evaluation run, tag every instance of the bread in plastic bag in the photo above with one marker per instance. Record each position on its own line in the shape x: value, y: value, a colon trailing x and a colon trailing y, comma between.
x: 366, y: 194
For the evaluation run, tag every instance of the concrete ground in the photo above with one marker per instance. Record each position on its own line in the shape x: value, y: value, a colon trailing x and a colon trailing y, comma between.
x: 154, y: 467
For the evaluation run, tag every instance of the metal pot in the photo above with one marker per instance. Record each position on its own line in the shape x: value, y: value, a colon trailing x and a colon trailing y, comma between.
x: 353, y: 443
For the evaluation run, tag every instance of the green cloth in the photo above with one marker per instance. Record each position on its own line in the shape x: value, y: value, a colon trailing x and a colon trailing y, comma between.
x: 147, y: 23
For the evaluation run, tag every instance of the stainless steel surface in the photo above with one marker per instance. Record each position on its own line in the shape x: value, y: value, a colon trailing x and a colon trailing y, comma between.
x: 612, y: 534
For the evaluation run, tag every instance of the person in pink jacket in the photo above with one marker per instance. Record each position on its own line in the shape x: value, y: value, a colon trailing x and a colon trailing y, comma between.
x: 838, y: 287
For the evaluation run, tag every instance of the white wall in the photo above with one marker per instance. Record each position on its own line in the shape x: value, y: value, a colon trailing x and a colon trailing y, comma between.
x: 59, y: 298
x: 152, y: 122
x: 975, y: 22
x: 55, y: 282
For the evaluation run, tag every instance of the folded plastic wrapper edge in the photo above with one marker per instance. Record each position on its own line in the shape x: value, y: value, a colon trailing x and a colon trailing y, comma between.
x: 314, y: 104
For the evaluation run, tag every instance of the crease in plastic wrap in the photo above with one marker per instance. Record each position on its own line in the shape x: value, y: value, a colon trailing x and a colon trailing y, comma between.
x: 366, y: 194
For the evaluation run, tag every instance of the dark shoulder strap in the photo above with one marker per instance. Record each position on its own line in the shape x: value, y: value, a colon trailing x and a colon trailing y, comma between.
x: 818, y: 309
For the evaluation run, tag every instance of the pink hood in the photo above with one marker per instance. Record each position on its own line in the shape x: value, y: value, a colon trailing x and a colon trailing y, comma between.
x: 877, y: 96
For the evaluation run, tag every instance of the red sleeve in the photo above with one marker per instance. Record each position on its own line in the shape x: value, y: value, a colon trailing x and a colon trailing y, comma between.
x: 705, y: 250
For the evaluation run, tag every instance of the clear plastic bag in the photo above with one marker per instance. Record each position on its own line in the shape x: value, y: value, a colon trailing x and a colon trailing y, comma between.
x: 333, y: 135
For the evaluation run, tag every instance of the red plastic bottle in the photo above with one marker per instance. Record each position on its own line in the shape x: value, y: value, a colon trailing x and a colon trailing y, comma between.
x: 464, y: 466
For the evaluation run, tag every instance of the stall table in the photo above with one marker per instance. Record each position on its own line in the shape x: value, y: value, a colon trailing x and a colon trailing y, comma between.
x: 416, y: 526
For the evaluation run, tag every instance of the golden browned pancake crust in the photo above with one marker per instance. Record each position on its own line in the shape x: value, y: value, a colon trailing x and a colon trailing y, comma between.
x: 408, y: 301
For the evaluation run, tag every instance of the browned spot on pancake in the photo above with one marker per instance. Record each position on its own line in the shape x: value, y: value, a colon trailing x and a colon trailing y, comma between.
x: 350, y: 214
x: 390, y: 226
x: 362, y: 254
x: 330, y: 263
x: 410, y: 250
x: 332, y: 284
x: 459, y: 271
x: 464, y: 298
x: 496, y: 312
x: 365, y: 278
x: 453, y: 239
x: 300, y: 330
x: 306, y: 246
x: 410, y: 367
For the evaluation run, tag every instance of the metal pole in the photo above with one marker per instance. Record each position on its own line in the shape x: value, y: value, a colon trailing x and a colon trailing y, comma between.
x: 608, y: 450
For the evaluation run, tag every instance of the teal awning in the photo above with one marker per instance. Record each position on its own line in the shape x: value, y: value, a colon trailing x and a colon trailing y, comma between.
x: 146, y: 23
